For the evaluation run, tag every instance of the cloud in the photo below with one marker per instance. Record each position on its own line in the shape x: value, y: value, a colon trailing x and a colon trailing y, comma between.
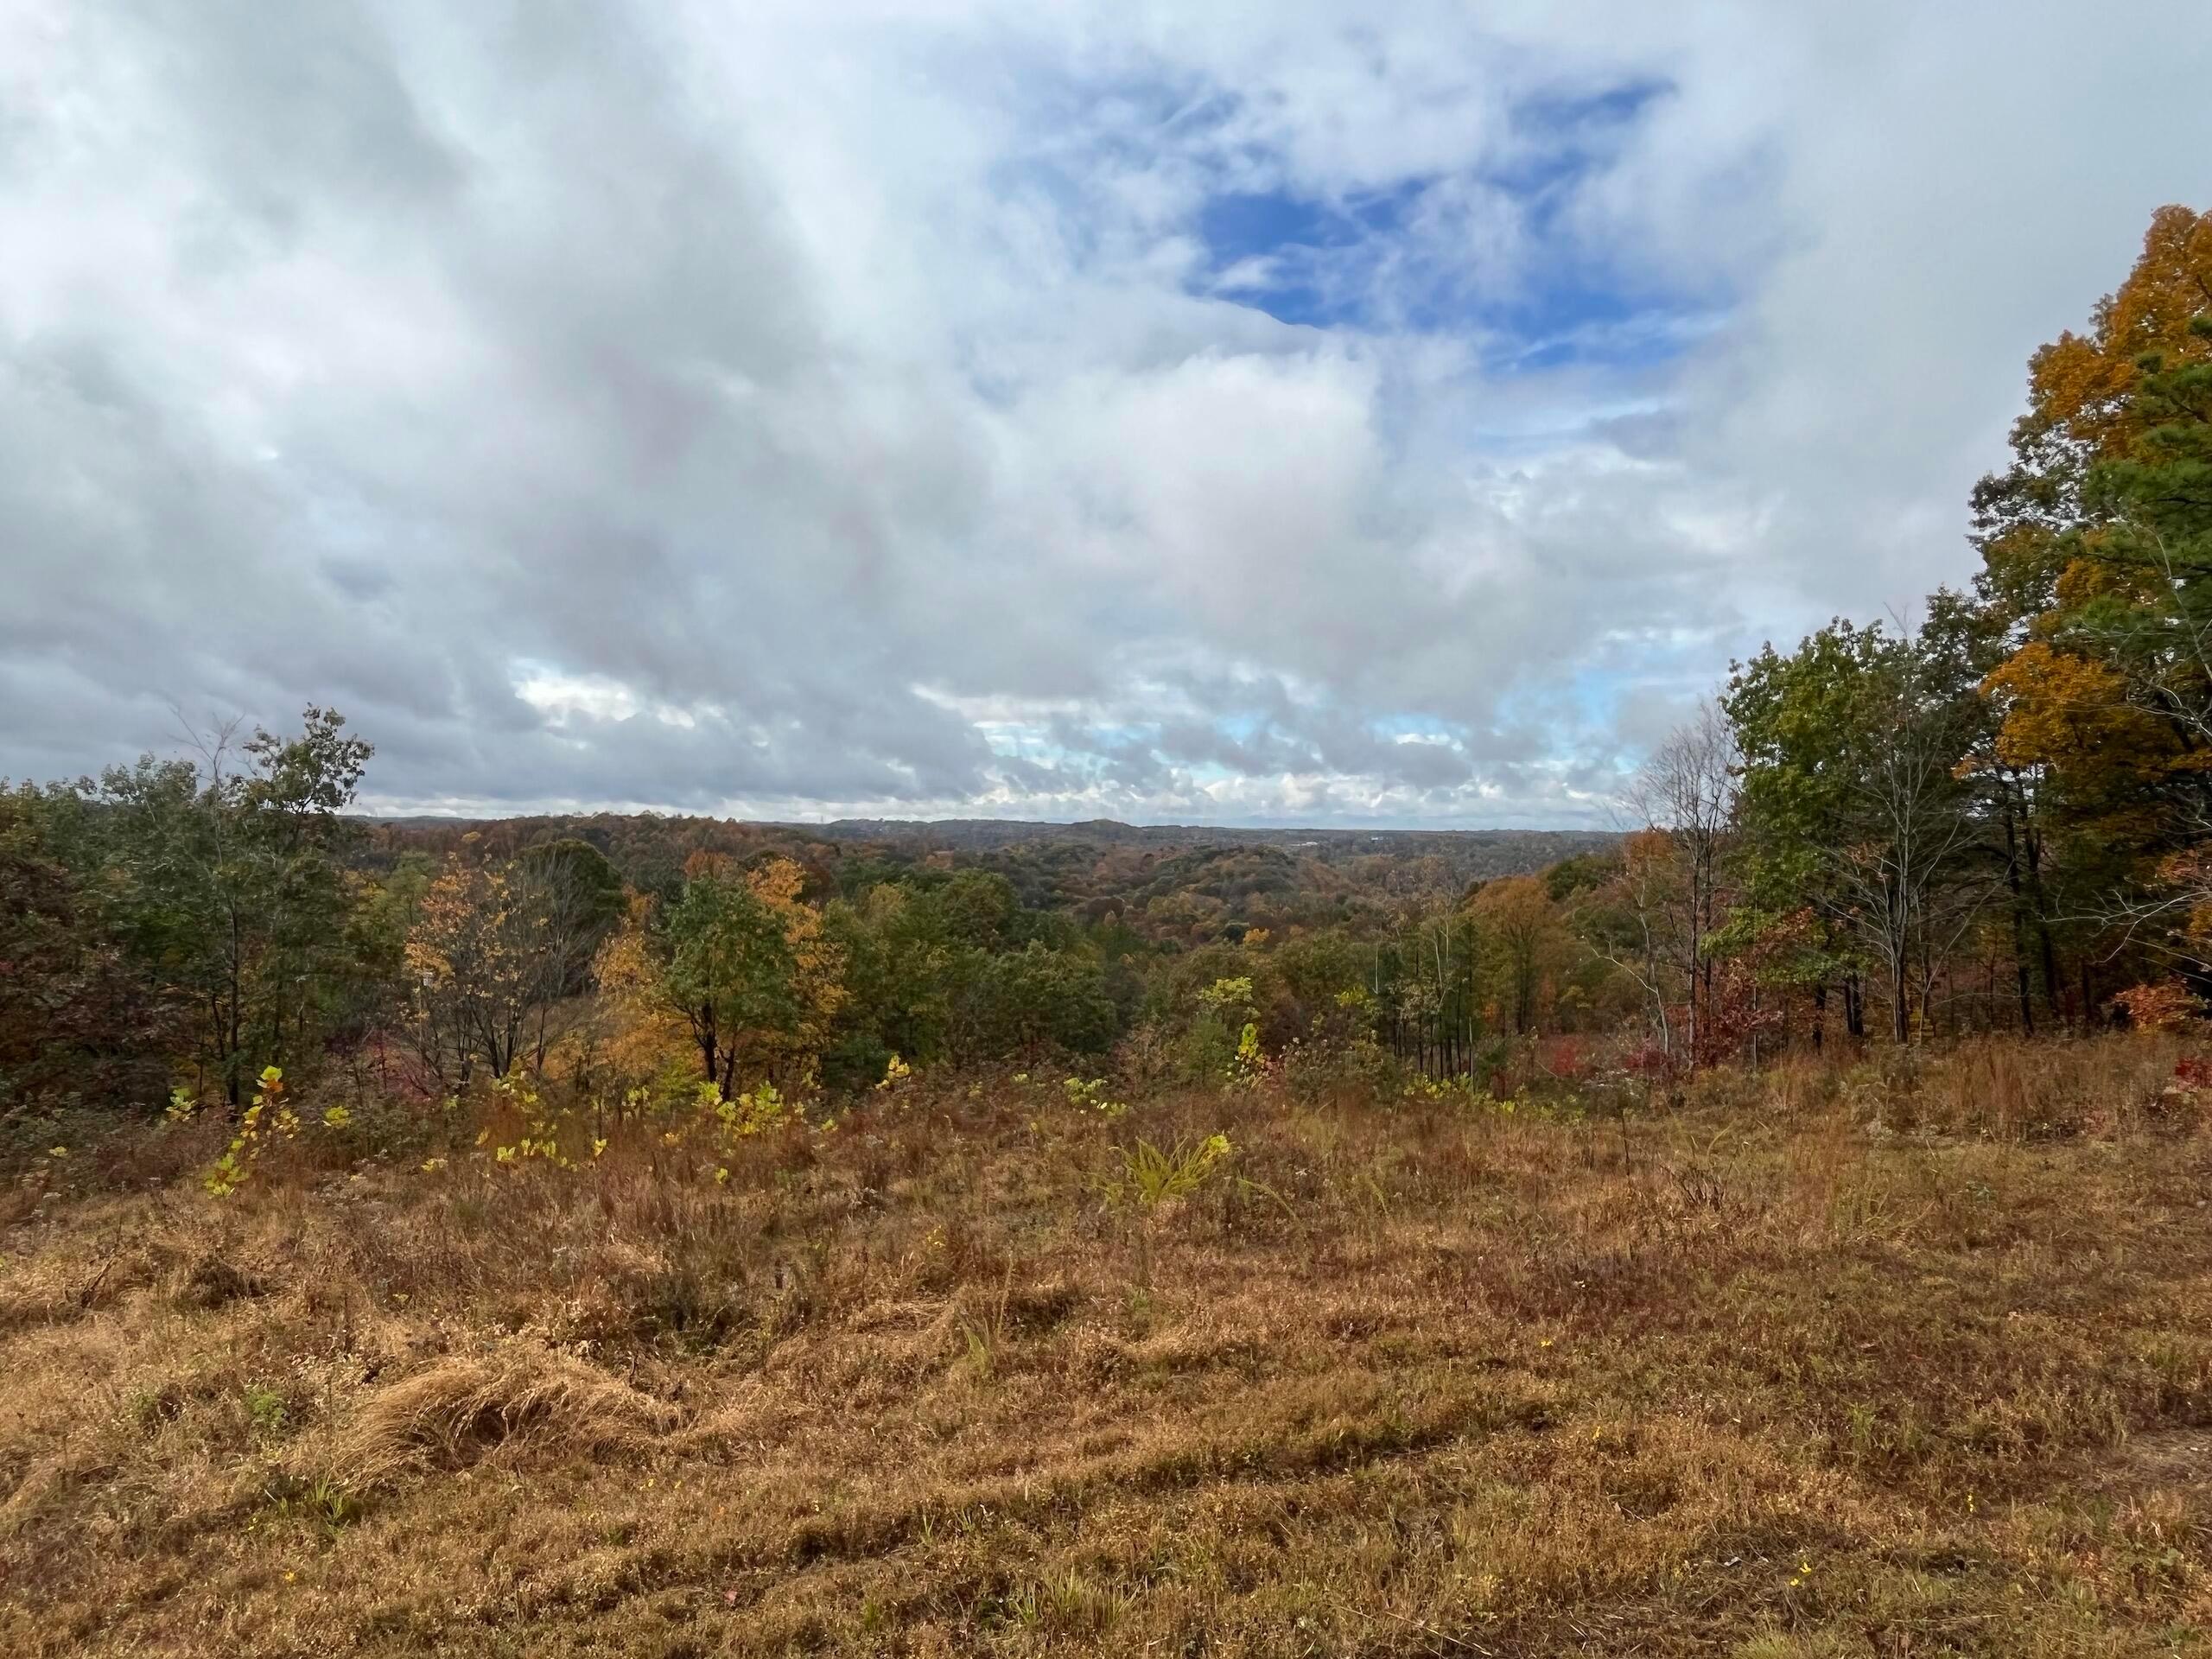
x: 1332, y: 412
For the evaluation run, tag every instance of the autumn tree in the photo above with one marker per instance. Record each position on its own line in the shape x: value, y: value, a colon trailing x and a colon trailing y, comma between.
x: 634, y: 1033
x: 817, y: 989
x: 494, y: 947
x: 2034, y: 523
x: 2096, y: 545
x: 1521, y: 935
x: 1426, y: 983
x: 744, y: 962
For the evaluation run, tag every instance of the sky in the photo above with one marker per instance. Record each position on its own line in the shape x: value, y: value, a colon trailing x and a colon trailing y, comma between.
x: 1326, y: 413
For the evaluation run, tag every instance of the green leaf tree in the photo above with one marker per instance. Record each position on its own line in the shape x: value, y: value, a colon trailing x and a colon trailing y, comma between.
x: 730, y: 971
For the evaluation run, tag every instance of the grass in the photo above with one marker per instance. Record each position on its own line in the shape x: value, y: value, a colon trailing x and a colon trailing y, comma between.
x: 1899, y: 1358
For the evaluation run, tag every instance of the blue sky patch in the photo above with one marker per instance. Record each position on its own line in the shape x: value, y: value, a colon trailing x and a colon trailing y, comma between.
x: 1411, y: 255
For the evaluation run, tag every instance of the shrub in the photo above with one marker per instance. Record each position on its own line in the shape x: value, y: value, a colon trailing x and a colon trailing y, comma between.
x: 2168, y: 1005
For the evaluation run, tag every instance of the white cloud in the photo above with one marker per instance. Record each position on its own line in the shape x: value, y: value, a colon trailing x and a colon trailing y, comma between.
x: 839, y: 407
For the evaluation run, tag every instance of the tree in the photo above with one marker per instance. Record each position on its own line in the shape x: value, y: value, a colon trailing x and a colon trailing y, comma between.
x: 225, y: 879
x: 1037, y: 998
x: 1520, y: 929
x: 2096, y: 545
x: 731, y: 972
x: 1686, y: 793
x: 1631, y: 920
x: 636, y: 1034
x: 80, y: 1022
x: 1854, y: 801
x: 467, y: 987
x: 816, y: 969
x: 2084, y: 410
x: 897, y: 994
x: 581, y: 897
x: 1421, y: 979
x: 494, y: 950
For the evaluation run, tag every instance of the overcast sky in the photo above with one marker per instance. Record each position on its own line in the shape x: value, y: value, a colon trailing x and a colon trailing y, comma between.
x: 1327, y: 412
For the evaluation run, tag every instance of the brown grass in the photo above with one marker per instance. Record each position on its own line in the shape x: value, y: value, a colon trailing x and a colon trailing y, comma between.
x: 1884, y: 1358
x: 453, y: 1411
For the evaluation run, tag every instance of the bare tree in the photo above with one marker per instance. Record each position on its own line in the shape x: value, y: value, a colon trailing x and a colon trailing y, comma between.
x: 1686, y: 791
x: 1640, y: 945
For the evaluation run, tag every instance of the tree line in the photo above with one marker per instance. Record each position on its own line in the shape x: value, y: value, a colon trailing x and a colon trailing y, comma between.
x: 2011, y: 783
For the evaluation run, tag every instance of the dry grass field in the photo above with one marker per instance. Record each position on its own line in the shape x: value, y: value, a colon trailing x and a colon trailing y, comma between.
x: 1835, y: 1361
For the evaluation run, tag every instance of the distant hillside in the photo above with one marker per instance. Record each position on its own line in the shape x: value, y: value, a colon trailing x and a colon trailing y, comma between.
x: 1187, y: 883
x: 1513, y: 851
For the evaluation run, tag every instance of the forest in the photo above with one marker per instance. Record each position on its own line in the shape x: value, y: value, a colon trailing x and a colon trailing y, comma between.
x: 1772, y: 1227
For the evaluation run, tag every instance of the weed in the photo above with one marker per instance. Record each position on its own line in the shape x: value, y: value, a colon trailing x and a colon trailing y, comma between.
x: 267, y: 1411
x: 1150, y: 1177
x: 327, y: 1506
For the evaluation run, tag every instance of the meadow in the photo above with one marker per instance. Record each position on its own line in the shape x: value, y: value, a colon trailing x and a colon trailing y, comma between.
x: 1904, y: 1355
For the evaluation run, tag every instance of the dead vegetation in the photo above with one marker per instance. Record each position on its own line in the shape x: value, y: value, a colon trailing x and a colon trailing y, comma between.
x: 454, y: 1410
x: 1901, y: 1360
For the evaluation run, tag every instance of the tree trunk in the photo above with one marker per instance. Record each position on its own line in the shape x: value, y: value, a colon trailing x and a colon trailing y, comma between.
x: 2034, y: 847
x: 2019, y: 919
x: 237, y: 1015
x: 702, y: 1029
